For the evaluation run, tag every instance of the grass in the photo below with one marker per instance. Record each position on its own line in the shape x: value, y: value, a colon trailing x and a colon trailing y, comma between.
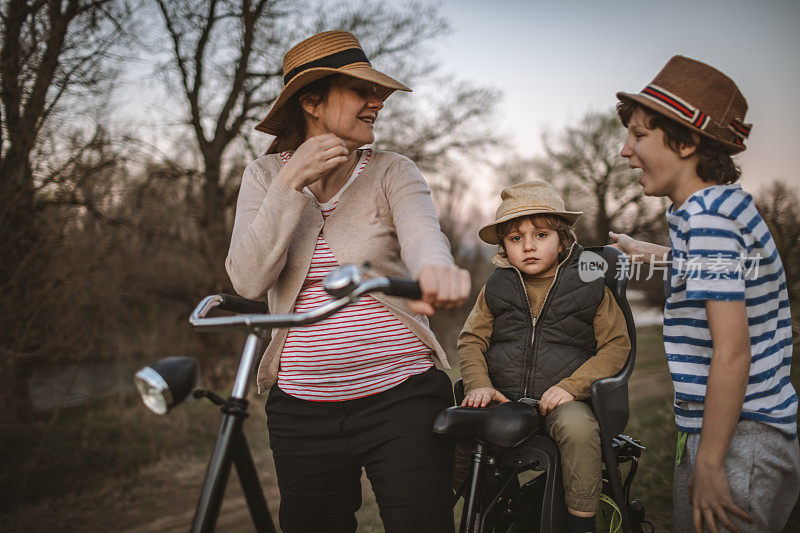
x: 651, y: 421
x: 113, y: 465
x: 77, y: 448
x: 70, y: 464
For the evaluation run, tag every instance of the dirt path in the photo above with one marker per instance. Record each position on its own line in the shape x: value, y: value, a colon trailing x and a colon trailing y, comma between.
x: 177, y: 511
x: 647, y: 382
x: 234, y: 515
x: 161, y: 497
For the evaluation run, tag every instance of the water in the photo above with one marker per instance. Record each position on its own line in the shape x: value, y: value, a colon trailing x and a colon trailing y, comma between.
x: 77, y: 383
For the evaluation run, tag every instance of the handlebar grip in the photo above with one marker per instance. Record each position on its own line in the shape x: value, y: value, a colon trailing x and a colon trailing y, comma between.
x: 237, y: 304
x: 405, y: 288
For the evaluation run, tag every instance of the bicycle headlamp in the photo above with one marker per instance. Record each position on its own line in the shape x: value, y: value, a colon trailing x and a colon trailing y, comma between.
x: 166, y: 383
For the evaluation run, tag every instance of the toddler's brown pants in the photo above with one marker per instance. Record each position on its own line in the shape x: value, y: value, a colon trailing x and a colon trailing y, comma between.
x: 575, y: 431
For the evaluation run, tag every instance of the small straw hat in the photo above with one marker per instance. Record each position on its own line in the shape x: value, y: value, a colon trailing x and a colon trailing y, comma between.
x: 326, y: 53
x: 535, y: 197
x: 701, y: 98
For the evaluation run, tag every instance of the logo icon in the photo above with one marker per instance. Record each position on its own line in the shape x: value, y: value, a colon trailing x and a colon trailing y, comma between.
x: 591, y: 266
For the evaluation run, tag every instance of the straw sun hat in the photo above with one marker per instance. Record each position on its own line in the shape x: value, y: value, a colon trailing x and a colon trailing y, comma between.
x: 329, y: 52
x: 701, y: 98
x: 535, y: 197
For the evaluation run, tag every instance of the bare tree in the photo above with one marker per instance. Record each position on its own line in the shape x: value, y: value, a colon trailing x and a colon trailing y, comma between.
x: 226, y: 60
x: 779, y: 205
x: 220, y: 94
x: 52, y: 53
x: 439, y: 128
x: 584, y: 162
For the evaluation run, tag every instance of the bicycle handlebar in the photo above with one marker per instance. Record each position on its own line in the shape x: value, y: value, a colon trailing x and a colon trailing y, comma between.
x: 237, y: 304
x: 405, y: 288
x: 344, y: 282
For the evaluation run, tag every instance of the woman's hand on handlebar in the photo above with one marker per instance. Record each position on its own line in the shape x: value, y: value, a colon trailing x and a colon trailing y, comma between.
x: 312, y: 160
x: 443, y: 286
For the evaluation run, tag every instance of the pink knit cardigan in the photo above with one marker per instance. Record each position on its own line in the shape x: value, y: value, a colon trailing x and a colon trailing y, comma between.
x: 385, y: 216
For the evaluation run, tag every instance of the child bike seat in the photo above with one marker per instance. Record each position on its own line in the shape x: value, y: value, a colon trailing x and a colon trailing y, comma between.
x: 506, y: 425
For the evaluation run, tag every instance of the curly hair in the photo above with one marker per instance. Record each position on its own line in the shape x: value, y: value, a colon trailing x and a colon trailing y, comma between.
x: 714, y: 163
x: 557, y: 223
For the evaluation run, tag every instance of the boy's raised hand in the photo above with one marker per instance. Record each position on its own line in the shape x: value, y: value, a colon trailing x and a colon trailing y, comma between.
x: 623, y: 242
x: 552, y: 398
x: 646, y: 252
x: 482, y: 396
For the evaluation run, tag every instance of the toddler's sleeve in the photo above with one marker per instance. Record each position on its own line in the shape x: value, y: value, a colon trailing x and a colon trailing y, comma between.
x: 473, y: 341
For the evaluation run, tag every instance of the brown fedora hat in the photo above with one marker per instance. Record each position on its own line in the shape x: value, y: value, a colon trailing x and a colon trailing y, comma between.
x: 536, y: 197
x: 326, y: 53
x: 701, y: 98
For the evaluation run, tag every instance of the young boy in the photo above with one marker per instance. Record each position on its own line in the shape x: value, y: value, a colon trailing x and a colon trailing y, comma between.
x: 727, y: 325
x: 538, y: 331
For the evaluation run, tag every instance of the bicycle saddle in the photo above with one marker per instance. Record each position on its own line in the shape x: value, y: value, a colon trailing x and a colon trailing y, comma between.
x: 506, y: 425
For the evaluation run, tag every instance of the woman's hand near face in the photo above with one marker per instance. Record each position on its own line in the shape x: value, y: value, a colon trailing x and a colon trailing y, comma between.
x: 443, y: 286
x: 312, y: 160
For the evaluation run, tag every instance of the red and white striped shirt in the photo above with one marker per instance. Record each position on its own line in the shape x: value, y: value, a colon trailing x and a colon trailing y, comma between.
x: 361, y: 350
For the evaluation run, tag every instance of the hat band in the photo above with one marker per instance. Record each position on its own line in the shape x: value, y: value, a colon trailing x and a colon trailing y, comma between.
x: 529, y: 207
x: 740, y: 130
x: 684, y: 109
x: 335, y: 60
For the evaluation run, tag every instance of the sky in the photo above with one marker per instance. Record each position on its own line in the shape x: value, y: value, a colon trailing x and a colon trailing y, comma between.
x: 556, y: 60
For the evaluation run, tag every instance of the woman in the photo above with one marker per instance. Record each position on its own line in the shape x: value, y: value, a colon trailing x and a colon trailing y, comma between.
x: 358, y: 389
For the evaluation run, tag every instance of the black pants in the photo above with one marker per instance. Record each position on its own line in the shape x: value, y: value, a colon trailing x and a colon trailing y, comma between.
x: 320, y: 447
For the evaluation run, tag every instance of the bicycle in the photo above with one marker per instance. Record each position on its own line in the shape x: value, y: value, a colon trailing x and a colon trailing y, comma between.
x: 509, y: 442
x: 168, y: 382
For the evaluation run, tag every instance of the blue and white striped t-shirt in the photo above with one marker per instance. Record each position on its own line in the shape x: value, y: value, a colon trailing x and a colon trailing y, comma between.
x: 723, y: 250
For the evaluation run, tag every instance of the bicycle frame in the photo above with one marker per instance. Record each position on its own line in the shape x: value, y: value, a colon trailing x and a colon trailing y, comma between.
x: 482, y: 500
x: 231, y: 446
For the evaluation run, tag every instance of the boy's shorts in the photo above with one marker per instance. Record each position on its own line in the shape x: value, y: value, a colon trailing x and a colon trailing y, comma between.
x: 763, y: 468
